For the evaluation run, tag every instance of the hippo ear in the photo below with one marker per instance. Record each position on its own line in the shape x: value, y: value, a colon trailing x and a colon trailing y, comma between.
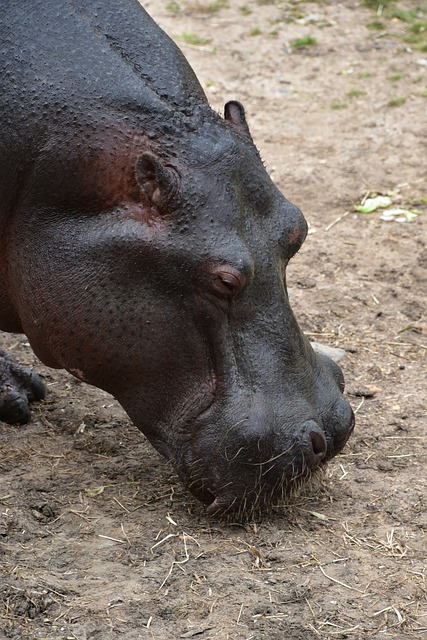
x: 234, y: 112
x: 159, y: 183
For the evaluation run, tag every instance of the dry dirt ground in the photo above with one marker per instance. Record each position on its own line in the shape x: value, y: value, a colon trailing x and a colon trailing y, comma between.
x: 97, y: 537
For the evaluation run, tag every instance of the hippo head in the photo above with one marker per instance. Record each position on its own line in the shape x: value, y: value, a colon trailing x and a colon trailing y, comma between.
x: 163, y: 281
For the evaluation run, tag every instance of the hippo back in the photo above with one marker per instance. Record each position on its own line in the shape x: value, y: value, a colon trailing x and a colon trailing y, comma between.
x: 87, y: 49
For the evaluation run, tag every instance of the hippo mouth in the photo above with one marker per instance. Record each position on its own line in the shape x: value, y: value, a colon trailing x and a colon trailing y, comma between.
x: 241, y: 498
x: 248, y: 482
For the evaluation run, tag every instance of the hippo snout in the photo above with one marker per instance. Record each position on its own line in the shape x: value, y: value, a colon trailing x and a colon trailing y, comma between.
x: 256, y: 463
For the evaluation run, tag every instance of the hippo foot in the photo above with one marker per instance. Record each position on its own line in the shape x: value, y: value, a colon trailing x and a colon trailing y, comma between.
x: 18, y: 387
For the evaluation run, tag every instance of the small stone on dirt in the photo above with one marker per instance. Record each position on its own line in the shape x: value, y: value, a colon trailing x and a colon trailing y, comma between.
x: 334, y: 353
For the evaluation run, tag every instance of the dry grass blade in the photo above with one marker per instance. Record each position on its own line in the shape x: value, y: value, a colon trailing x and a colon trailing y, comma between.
x: 343, y: 584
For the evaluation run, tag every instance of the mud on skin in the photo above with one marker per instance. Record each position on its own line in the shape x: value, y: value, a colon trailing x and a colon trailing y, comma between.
x: 144, y: 250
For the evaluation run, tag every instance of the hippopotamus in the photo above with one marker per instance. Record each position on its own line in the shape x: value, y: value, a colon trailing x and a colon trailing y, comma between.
x: 144, y: 249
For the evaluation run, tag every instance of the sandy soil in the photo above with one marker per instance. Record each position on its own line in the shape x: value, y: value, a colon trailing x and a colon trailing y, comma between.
x: 97, y: 537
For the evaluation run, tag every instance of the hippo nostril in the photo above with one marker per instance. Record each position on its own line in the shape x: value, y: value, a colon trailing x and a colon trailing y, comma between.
x: 314, y: 445
x: 318, y: 443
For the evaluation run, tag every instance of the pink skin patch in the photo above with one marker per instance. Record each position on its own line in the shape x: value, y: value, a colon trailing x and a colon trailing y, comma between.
x: 108, y: 174
x: 295, y: 235
x: 78, y: 374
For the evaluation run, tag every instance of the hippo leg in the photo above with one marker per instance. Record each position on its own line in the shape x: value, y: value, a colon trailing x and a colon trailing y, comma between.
x: 18, y: 387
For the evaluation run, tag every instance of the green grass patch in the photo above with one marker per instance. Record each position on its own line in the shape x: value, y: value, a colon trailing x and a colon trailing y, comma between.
x: 390, y: 9
x: 192, y: 38
x: 335, y: 106
x: 308, y: 41
x: 376, y: 4
x: 245, y: 11
x: 402, y: 14
x: 412, y: 38
x: 415, y: 24
x: 419, y: 27
x: 376, y: 25
x: 356, y: 93
x: 173, y: 7
x: 423, y: 93
x: 256, y: 31
x: 395, y: 77
x: 212, y: 7
x: 396, y: 102
x: 417, y: 35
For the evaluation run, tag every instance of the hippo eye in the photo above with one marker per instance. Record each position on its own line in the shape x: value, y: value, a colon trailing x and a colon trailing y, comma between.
x: 227, y: 281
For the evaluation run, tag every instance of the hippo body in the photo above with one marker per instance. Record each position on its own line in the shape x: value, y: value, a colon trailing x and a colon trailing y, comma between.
x: 144, y: 248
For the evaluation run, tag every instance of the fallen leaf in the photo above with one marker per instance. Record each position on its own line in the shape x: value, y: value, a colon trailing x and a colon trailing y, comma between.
x: 372, y: 204
x: 399, y: 215
x: 96, y: 491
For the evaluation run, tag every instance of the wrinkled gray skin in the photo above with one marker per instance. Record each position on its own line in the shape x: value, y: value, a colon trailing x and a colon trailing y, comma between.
x: 144, y: 248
